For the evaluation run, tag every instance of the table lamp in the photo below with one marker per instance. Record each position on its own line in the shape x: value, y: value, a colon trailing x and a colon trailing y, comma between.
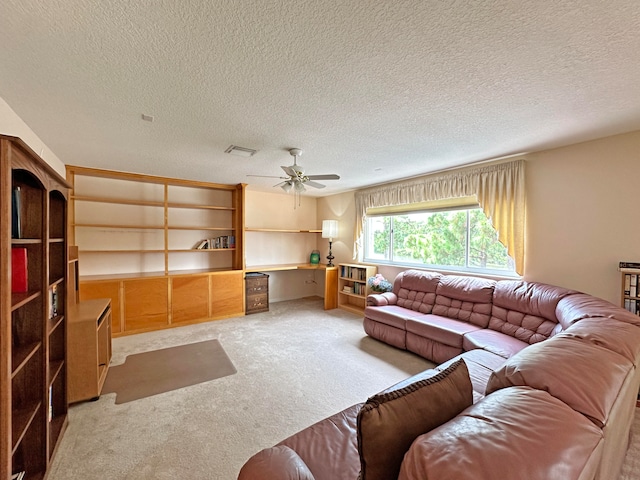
x: 330, y: 230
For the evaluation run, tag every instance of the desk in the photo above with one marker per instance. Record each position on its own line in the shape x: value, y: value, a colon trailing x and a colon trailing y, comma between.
x: 89, y: 352
x: 330, y: 278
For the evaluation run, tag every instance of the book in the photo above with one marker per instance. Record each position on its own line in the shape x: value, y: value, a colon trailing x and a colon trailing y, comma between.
x: 15, y: 213
x: 627, y: 284
x: 18, y: 475
x: 19, y: 272
x: 629, y: 265
x: 53, y: 301
x: 50, y: 402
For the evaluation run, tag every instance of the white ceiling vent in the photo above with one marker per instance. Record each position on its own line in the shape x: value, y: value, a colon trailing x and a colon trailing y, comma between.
x: 240, y: 151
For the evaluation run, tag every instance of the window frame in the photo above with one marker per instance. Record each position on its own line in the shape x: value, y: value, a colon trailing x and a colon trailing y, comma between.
x: 467, y: 269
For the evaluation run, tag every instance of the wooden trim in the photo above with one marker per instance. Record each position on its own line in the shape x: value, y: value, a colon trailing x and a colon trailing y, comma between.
x: 139, y: 177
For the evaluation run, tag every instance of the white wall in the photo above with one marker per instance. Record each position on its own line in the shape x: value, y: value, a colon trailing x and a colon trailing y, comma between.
x: 12, y: 124
x: 581, y: 215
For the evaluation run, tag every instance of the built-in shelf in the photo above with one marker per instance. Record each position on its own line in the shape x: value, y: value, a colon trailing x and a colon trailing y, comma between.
x: 281, y: 230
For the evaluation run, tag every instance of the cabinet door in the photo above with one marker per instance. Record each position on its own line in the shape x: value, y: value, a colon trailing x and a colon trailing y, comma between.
x: 189, y: 298
x: 111, y: 289
x: 227, y: 294
x: 146, y: 303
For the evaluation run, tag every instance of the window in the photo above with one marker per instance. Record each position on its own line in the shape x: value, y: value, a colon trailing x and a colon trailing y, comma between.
x: 460, y: 239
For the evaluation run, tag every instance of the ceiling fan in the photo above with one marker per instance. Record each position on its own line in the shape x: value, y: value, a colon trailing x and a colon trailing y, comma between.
x: 296, y: 178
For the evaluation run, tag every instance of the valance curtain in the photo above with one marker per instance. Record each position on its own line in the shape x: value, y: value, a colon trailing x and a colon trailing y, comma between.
x: 499, y: 188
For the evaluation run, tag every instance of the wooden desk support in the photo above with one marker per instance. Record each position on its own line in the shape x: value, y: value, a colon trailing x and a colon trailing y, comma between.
x: 89, y: 351
x: 330, y: 278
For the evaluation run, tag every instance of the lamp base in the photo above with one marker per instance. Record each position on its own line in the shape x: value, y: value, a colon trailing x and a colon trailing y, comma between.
x: 330, y: 257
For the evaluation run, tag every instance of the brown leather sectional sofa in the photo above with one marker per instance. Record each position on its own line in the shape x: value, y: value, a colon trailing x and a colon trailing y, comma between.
x: 553, y: 381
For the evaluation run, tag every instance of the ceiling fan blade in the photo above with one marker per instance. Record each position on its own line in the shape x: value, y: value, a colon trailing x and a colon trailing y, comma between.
x: 328, y: 176
x: 314, y: 184
x: 289, y: 171
x: 266, y: 176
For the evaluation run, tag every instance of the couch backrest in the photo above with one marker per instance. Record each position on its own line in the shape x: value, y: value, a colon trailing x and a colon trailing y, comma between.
x: 464, y: 298
x: 526, y: 310
x: 416, y: 290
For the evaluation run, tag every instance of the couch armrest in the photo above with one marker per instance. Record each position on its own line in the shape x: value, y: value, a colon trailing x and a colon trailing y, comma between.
x: 381, y: 299
x: 275, y: 463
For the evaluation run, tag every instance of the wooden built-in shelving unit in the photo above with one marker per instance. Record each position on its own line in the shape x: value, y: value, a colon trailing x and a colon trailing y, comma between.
x: 137, y: 236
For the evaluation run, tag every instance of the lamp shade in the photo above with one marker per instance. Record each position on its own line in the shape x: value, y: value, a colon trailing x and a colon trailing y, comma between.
x: 329, y: 228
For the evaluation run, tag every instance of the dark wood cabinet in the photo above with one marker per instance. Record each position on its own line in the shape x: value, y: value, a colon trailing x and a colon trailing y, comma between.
x: 33, y: 317
x: 256, y: 293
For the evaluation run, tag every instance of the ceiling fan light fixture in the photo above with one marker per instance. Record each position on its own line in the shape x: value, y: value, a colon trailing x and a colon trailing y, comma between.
x: 299, y: 187
x: 286, y: 186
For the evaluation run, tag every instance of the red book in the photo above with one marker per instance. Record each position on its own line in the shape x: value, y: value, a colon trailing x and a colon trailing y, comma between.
x: 19, y: 283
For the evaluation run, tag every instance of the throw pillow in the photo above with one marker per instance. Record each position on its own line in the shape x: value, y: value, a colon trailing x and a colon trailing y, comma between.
x: 390, y: 421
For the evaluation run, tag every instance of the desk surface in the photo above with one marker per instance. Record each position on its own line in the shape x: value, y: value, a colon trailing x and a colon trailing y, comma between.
x: 288, y: 266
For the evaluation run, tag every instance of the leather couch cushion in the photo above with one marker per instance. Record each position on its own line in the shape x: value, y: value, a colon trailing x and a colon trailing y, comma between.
x: 390, y: 421
x: 275, y: 462
x: 416, y: 290
x: 576, y: 307
x: 481, y: 364
x: 392, y: 315
x: 620, y: 337
x: 526, y: 310
x: 583, y: 375
x: 512, y: 434
x: 464, y: 298
x: 440, y: 329
x: 493, y: 341
x: 329, y: 447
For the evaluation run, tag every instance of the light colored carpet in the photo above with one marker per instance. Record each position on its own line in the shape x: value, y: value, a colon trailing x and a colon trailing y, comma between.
x: 295, y: 365
x: 159, y: 371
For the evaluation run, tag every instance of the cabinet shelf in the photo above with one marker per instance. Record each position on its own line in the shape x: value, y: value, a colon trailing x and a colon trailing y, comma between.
x: 54, y: 370
x: 199, y: 207
x: 21, y: 356
x: 218, y: 229
x: 21, y: 421
x: 116, y: 201
x: 120, y: 251
x: 118, y: 226
x: 26, y: 241
x: 19, y: 300
x: 354, y: 280
x: 280, y: 230
x: 54, y: 323
x: 353, y: 295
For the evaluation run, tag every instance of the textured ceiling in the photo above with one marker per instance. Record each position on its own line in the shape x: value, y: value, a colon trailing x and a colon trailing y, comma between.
x: 373, y: 91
